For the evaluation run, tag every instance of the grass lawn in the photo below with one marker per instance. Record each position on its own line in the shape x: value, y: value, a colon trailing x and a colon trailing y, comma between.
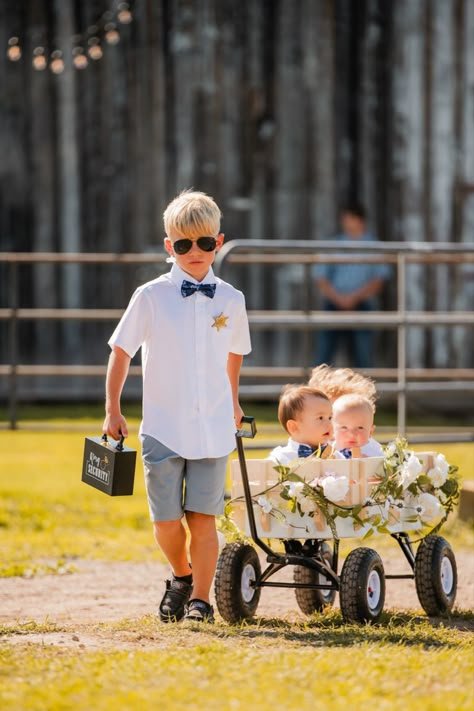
x: 49, y: 519
x: 320, y: 664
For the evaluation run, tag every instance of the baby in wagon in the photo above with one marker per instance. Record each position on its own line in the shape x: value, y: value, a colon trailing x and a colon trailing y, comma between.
x: 306, y: 414
x: 353, y: 419
x: 353, y: 399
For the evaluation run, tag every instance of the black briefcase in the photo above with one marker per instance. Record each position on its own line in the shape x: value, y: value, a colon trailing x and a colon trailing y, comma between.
x: 109, y: 466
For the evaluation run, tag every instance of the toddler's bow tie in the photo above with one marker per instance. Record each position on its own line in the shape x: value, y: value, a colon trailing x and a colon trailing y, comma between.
x: 188, y: 288
x: 304, y: 450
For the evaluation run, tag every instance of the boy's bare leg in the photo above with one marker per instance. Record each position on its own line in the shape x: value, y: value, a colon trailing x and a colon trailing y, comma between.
x: 204, y: 552
x: 171, y: 538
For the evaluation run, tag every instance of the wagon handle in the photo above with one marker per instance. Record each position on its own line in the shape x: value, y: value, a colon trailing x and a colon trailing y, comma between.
x: 249, y: 432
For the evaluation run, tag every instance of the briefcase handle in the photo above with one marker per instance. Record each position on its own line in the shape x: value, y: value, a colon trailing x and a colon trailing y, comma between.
x: 119, y: 446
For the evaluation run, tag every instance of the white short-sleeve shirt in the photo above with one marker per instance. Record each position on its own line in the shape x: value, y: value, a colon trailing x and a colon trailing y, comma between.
x: 185, y: 341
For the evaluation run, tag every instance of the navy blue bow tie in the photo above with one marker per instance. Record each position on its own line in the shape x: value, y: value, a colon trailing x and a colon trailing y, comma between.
x: 305, y: 451
x: 347, y: 453
x: 188, y: 289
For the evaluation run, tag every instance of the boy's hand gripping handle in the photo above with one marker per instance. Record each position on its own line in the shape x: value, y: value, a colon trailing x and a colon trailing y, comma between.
x: 250, y: 431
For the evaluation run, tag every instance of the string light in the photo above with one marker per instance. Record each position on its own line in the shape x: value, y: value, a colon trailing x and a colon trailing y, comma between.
x: 88, y: 45
x: 124, y: 15
x: 111, y: 34
x: 39, y: 59
x: 79, y: 59
x: 57, y: 62
x: 14, y: 49
x: 95, y: 50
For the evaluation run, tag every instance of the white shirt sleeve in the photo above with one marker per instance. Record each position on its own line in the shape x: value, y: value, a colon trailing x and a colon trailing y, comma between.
x: 240, y: 343
x: 372, y: 449
x: 134, y: 324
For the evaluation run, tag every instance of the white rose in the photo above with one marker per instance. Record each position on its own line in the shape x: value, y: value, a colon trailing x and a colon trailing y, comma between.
x: 441, y: 464
x: 295, y: 488
x: 265, y: 504
x: 390, y: 449
x: 410, y: 471
x: 307, y: 505
x: 437, y: 477
x: 431, y: 508
x: 335, y: 488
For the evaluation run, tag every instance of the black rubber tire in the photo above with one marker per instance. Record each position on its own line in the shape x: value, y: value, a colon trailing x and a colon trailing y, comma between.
x: 436, y: 575
x: 310, y: 601
x: 362, y: 586
x: 236, y: 600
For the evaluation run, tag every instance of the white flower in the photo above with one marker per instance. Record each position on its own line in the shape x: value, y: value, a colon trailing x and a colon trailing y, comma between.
x: 307, y: 505
x: 431, y: 508
x: 410, y: 471
x: 437, y: 477
x: 265, y: 504
x: 390, y: 449
x: 441, y: 464
x: 335, y: 488
x: 294, y: 488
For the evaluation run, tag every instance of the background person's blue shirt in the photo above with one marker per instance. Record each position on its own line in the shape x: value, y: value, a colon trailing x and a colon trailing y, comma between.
x: 349, y: 277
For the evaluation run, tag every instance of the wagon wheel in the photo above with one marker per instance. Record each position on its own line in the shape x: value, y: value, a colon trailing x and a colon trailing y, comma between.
x: 308, y: 600
x: 362, y: 586
x: 435, y: 575
x: 237, y: 568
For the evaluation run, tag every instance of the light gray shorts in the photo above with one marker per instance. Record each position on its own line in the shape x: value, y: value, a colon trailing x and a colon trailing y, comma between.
x: 175, y: 485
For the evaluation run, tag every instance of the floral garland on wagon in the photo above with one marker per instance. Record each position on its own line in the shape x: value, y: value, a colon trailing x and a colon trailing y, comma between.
x: 403, y: 489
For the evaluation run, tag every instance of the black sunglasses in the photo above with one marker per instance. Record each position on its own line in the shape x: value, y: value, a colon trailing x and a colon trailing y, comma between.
x: 207, y: 244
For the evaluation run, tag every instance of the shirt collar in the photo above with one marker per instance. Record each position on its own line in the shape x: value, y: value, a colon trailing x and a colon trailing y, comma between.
x: 178, y: 276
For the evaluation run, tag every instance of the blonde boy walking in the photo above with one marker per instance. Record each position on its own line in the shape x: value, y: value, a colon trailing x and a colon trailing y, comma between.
x: 193, y: 331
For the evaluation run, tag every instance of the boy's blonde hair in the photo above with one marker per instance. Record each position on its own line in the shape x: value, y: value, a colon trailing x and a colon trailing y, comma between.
x: 292, y: 402
x: 336, y: 382
x: 192, y: 214
x: 346, y: 403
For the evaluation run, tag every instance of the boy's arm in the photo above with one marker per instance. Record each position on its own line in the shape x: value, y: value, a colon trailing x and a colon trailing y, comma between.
x: 234, y: 364
x: 117, y: 371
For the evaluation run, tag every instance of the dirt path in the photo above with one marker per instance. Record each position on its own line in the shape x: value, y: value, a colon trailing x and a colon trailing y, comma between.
x: 107, y: 592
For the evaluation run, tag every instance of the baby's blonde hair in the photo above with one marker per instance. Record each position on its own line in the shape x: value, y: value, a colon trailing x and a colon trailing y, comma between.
x: 192, y: 214
x: 352, y: 401
x: 336, y: 382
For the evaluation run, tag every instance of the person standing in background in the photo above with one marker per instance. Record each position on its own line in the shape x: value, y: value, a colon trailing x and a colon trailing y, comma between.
x: 350, y: 287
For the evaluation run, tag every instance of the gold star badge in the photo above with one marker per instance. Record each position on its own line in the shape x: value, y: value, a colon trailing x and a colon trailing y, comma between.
x: 220, y: 321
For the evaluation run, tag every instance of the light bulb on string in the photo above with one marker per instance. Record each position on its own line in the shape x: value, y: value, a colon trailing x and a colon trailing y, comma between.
x: 57, y: 62
x: 124, y: 15
x: 95, y: 50
x: 39, y: 59
x: 111, y: 34
x: 79, y: 59
x: 14, y: 49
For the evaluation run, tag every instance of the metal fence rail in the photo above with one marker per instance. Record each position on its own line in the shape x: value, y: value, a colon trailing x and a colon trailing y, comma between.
x: 399, y: 380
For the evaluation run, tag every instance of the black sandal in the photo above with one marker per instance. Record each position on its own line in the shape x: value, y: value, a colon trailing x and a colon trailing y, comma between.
x: 173, y: 604
x: 199, y: 611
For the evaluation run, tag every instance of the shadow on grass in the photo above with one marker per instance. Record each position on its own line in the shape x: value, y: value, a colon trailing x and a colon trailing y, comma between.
x: 329, y: 629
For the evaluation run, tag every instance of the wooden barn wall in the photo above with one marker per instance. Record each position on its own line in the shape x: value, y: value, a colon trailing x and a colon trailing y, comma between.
x: 281, y: 109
